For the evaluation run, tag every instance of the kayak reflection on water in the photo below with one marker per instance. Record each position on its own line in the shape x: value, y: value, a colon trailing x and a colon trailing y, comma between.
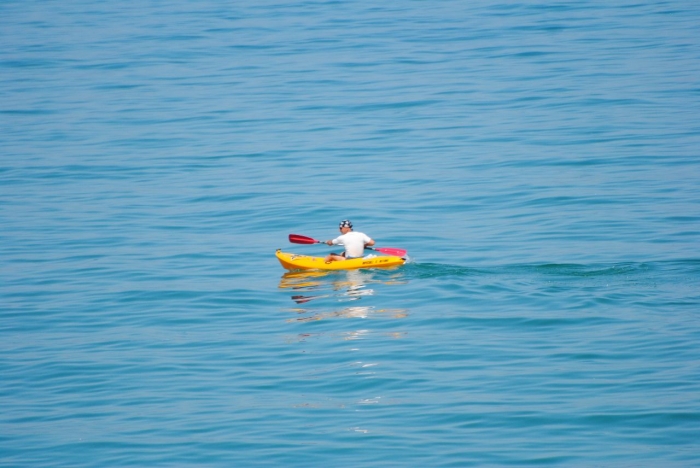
x: 344, y: 286
x: 349, y: 285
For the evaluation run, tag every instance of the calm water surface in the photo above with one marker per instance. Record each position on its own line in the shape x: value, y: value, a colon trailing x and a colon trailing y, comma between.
x: 539, y: 162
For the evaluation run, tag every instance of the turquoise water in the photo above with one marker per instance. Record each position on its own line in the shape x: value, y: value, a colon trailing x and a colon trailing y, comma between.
x: 539, y: 162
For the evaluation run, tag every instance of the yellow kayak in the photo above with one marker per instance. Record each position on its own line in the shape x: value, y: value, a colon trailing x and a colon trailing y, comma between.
x: 292, y: 261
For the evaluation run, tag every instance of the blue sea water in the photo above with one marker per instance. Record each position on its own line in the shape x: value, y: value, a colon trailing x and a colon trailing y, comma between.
x: 539, y: 161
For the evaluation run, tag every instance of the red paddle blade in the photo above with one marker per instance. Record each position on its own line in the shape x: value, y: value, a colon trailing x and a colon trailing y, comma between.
x: 297, y: 239
x: 391, y: 251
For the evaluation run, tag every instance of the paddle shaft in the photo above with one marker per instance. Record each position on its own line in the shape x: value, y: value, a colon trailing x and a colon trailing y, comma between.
x: 299, y: 239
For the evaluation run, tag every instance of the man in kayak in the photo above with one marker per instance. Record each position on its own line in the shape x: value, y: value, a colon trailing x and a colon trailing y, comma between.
x: 354, y: 242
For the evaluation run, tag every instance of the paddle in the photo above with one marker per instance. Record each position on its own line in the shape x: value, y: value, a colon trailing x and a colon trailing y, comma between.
x: 297, y: 239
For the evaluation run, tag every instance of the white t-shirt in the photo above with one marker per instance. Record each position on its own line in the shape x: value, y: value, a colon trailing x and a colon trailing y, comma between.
x: 354, y: 243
